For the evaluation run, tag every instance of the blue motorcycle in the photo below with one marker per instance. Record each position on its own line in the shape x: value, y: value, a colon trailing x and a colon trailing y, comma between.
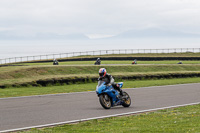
x: 109, y: 97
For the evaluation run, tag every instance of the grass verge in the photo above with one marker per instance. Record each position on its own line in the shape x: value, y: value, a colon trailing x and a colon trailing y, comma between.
x: 28, y: 91
x: 179, y: 120
x: 112, y: 62
x: 12, y: 75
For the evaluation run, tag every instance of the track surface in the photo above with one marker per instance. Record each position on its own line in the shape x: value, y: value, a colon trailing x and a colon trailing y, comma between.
x: 39, y: 110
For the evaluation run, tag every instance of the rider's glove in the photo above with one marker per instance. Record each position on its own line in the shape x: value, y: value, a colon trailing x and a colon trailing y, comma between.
x: 108, y: 84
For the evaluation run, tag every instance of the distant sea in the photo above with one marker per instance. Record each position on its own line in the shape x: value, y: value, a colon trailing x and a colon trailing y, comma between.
x: 18, y: 48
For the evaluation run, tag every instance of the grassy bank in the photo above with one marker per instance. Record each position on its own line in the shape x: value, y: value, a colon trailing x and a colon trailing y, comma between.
x: 112, y: 62
x: 65, y: 74
x: 179, y: 120
x: 32, y: 71
x: 27, y: 91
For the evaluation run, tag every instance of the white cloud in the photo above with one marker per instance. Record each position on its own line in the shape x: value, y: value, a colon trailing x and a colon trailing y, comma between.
x: 99, y: 18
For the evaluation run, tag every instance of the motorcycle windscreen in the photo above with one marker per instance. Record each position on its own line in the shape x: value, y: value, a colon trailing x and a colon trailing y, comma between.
x: 100, y: 82
x: 100, y: 87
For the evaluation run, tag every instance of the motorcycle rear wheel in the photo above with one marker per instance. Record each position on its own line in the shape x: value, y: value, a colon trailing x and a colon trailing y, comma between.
x: 105, y: 101
x: 127, y: 100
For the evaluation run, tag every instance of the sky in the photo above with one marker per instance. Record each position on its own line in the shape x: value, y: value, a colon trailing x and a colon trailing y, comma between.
x: 95, y: 19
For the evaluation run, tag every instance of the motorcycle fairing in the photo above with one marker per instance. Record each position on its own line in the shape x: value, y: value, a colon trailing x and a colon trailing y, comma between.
x: 110, y: 91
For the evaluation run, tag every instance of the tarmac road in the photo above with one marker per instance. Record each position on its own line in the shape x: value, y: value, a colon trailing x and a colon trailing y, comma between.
x: 40, y: 110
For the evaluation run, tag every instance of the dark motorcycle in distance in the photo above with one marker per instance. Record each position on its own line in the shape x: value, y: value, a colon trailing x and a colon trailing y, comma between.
x: 180, y: 62
x: 97, y: 62
x: 109, y: 97
x: 134, y: 62
x: 55, y: 62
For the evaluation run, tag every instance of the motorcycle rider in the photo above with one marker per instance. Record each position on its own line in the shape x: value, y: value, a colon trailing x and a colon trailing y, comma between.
x: 108, y: 79
x: 98, y: 60
x: 55, y: 62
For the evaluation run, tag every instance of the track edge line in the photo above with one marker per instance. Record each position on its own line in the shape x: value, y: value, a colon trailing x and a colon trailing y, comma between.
x: 100, y: 117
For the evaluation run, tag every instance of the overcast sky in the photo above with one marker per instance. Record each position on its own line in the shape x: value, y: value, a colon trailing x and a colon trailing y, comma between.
x: 96, y: 18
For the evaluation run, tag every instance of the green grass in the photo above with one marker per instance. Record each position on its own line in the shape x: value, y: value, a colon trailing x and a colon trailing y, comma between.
x: 20, y: 72
x: 186, y: 54
x: 27, y: 91
x: 112, y: 62
x: 168, y: 62
x: 13, y: 75
x: 177, y: 120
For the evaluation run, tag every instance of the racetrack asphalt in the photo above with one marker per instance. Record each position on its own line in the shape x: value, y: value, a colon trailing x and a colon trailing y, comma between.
x: 30, y: 111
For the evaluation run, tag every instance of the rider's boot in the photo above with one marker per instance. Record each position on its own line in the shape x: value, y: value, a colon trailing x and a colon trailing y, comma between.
x: 120, y: 96
x: 120, y: 92
x: 116, y: 86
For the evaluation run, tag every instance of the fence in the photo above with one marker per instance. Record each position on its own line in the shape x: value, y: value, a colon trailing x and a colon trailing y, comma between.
x: 99, y: 52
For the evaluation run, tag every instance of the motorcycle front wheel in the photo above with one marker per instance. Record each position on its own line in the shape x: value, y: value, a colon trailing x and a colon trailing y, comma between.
x: 105, y: 101
x: 126, y: 99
